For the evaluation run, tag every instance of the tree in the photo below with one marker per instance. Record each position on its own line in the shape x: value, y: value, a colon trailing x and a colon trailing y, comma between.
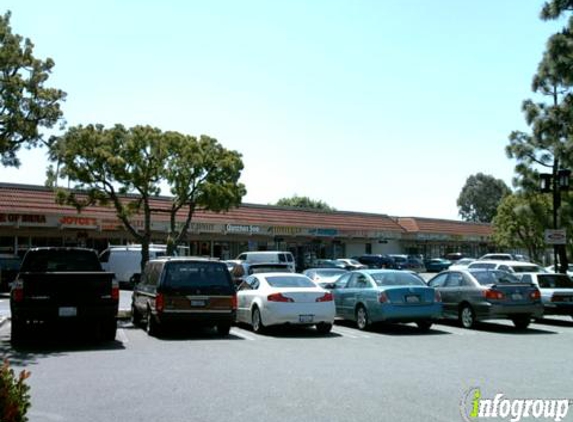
x: 26, y: 105
x: 108, y: 164
x: 203, y: 176
x: 304, y: 202
x: 480, y: 197
x: 520, y: 223
x: 549, y: 146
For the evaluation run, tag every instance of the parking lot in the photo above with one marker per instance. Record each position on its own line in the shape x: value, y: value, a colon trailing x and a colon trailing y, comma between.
x: 392, y: 372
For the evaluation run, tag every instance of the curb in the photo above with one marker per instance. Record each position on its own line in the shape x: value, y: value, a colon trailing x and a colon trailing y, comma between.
x: 3, y: 320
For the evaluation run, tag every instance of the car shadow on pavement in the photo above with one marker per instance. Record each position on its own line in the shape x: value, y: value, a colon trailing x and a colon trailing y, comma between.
x: 499, y: 328
x: 180, y: 333
x: 395, y: 329
x: 43, y: 343
x: 289, y: 331
x: 555, y: 322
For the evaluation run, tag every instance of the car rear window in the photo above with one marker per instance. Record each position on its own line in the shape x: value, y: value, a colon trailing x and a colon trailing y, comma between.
x: 330, y: 273
x: 486, y: 278
x: 552, y: 281
x: 281, y: 281
x: 55, y: 260
x: 397, y: 279
x: 527, y: 269
x: 196, y: 274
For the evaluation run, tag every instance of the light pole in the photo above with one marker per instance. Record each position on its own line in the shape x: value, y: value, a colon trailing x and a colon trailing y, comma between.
x: 555, y: 183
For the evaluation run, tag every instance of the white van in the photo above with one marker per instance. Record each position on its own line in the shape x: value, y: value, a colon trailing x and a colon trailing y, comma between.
x: 269, y: 257
x: 125, y: 261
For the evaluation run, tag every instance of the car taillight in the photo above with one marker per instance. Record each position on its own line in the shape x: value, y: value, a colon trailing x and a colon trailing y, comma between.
x: 493, y: 294
x: 278, y: 297
x: 18, y: 291
x: 437, y: 296
x: 535, y: 295
x: 115, y: 290
x: 234, y: 302
x: 382, y: 297
x: 326, y: 298
x: 159, y: 302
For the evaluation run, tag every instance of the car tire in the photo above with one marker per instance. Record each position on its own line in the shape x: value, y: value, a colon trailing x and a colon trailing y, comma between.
x: 256, y: 321
x: 18, y: 333
x: 135, y: 316
x: 424, y: 325
x: 108, y: 330
x: 323, y: 328
x: 151, y: 326
x: 521, y: 323
x: 224, y: 328
x: 362, y: 321
x: 467, y: 317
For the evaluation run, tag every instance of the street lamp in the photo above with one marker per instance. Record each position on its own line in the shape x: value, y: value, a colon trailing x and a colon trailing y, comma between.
x: 555, y: 183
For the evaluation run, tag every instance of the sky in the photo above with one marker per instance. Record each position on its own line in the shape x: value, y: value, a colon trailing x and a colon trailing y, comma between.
x: 379, y: 106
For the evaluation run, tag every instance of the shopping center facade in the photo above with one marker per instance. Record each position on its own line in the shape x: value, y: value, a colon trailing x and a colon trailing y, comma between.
x: 30, y: 216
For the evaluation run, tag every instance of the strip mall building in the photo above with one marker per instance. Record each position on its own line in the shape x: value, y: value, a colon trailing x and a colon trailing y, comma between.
x: 30, y: 216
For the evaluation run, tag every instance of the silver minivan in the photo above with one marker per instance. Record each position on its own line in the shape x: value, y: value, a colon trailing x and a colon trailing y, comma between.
x: 282, y: 257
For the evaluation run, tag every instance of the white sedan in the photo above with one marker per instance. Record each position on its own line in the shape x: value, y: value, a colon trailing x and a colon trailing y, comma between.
x: 267, y: 299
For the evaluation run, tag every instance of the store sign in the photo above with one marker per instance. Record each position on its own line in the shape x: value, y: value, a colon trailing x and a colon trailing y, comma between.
x: 556, y: 237
x: 22, y: 219
x: 76, y: 221
x: 323, y: 232
x: 242, y: 228
x: 286, y: 230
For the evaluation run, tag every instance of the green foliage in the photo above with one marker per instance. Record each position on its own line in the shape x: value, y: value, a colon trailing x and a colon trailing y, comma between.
x: 555, y: 8
x: 14, y: 394
x: 480, y: 197
x: 304, y: 202
x: 25, y: 103
x: 520, y: 223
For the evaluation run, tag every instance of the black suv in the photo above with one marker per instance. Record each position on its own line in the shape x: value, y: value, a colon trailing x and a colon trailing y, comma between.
x: 175, y: 290
x: 377, y: 261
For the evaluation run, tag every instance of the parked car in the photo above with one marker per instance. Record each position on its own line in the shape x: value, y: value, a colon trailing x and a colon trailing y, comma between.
x: 377, y: 261
x: 556, y: 292
x: 370, y: 296
x: 244, y: 269
x: 351, y: 264
x: 125, y: 261
x: 454, y: 256
x: 9, y: 267
x: 268, y: 299
x: 324, y: 276
x: 184, y: 291
x: 435, y: 265
x: 327, y: 263
x: 509, y: 266
x: 408, y: 262
x: 480, y: 294
x: 461, y: 264
x: 551, y: 269
x: 502, y: 257
x: 62, y: 286
x: 269, y: 256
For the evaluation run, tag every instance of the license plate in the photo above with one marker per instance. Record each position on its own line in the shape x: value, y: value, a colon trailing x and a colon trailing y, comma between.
x: 68, y: 312
x: 517, y: 296
x: 197, y: 303
x: 412, y: 299
x: 305, y: 318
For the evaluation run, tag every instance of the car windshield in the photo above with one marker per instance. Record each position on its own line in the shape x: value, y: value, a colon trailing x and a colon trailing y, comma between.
x: 48, y: 260
x: 486, y: 278
x: 397, y: 278
x: 553, y: 281
x: 293, y: 281
x: 527, y: 269
x: 196, y: 274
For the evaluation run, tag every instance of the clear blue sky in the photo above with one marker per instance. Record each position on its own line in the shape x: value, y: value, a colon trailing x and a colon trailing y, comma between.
x: 383, y: 106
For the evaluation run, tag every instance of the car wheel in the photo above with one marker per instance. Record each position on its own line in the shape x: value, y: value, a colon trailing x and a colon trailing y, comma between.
x: 152, y: 326
x: 362, y: 318
x: 324, y: 328
x: 135, y: 315
x: 424, y: 325
x: 108, y: 330
x: 224, y: 328
x: 521, y: 323
x: 256, y: 321
x: 467, y: 316
x: 18, y: 333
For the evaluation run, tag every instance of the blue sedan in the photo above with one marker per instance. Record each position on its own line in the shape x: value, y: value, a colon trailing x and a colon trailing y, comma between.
x: 369, y: 296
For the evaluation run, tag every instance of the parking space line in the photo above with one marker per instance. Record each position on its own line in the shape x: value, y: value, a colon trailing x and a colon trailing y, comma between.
x: 349, y: 332
x: 242, y: 333
x: 122, y: 336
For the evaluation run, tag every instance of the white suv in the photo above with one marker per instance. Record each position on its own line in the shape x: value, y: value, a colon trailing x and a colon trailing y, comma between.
x: 509, y: 266
x: 282, y: 257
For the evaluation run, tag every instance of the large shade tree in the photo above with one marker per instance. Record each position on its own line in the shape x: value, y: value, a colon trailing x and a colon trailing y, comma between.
x: 304, y: 202
x: 26, y: 104
x: 480, y: 197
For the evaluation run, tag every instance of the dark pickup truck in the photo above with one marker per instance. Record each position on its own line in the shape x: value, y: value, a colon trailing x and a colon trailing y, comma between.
x: 63, y: 285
